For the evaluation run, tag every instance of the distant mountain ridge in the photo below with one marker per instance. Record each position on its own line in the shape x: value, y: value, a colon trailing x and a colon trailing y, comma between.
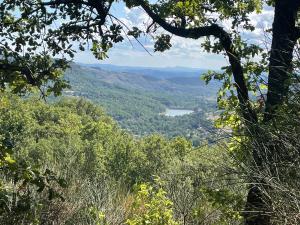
x: 132, y: 78
x: 138, y: 99
x: 159, y: 72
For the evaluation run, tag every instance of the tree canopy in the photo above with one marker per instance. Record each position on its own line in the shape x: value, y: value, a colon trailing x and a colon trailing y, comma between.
x: 38, y: 38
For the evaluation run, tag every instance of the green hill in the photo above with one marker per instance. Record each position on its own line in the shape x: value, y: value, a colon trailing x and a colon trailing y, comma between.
x: 137, y: 101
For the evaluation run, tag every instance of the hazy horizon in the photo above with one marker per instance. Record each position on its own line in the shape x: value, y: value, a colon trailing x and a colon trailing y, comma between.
x: 140, y: 66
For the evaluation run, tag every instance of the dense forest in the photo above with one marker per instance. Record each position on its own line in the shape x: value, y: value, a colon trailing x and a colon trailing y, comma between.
x: 137, y: 101
x: 69, y: 162
x: 101, y: 174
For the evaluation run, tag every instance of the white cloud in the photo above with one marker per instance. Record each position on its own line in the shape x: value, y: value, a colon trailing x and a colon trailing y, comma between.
x: 184, y: 52
x: 262, y: 22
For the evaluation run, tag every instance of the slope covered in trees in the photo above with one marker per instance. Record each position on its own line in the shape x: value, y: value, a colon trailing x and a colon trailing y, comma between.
x: 99, y: 169
x: 38, y: 41
x: 138, y: 101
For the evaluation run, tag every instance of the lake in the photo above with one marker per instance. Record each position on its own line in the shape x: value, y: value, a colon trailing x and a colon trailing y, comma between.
x: 177, y: 112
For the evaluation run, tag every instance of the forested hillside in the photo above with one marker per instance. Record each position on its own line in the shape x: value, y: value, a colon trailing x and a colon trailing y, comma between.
x: 138, y: 101
x: 115, y: 159
x: 92, y: 172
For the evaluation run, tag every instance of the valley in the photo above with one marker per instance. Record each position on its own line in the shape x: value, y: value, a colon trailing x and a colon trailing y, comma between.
x: 148, y: 100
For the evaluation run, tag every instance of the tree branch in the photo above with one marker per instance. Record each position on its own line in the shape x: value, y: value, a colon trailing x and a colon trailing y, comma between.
x: 101, y: 9
x: 25, y: 71
x: 194, y: 33
x: 225, y: 40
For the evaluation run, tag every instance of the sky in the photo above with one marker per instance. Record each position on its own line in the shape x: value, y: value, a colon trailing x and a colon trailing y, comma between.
x: 184, y: 52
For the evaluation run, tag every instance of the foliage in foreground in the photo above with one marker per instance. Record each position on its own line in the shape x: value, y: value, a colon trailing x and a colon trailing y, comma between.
x: 151, y: 207
x: 97, y: 165
x: 91, y: 21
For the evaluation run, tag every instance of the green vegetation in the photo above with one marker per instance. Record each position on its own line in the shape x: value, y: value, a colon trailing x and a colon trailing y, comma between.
x: 93, y: 166
x: 137, y: 101
x: 153, y: 207
x: 97, y: 166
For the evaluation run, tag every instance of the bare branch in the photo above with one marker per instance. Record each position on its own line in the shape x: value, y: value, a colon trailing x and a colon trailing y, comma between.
x: 121, y: 22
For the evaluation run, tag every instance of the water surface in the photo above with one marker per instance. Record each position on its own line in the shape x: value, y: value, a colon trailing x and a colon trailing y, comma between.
x: 177, y: 112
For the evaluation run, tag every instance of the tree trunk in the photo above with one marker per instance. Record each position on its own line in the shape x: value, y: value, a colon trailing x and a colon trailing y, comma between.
x: 258, y: 206
x: 257, y: 212
x: 283, y: 43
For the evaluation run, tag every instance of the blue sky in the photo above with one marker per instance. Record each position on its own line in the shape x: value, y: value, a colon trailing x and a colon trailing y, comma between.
x: 133, y: 56
x: 184, y: 52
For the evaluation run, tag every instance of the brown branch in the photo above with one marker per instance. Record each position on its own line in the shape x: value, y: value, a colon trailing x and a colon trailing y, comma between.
x: 150, y: 26
x: 226, y: 42
x: 193, y: 33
